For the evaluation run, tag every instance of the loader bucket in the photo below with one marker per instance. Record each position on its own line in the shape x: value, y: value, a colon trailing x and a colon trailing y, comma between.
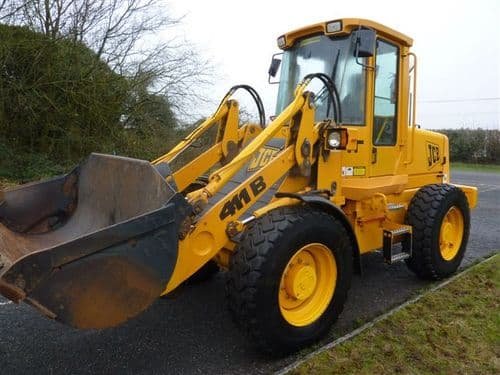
x: 92, y: 248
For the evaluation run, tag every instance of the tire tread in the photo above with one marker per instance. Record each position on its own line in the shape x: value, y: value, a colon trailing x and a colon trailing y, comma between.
x: 422, y: 215
x: 254, y: 251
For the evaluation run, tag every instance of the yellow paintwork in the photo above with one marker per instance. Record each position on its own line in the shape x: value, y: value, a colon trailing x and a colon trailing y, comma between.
x: 361, y: 188
x: 373, y: 185
x: 224, y: 174
x: 451, y: 233
x: 209, y: 235
x: 229, y: 134
x: 307, y: 284
x: 471, y: 194
x: 184, y: 176
x: 281, y: 202
x: 348, y: 24
x: 195, y: 134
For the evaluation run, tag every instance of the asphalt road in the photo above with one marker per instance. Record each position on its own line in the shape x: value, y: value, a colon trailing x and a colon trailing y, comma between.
x: 192, y: 333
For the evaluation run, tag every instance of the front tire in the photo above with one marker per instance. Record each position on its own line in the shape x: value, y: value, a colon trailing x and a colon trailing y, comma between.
x: 289, y: 277
x: 440, y: 217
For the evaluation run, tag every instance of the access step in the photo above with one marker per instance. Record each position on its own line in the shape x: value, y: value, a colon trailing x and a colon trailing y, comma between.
x: 394, y: 235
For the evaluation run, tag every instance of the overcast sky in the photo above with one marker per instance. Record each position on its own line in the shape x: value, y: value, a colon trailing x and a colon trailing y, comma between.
x: 457, y: 44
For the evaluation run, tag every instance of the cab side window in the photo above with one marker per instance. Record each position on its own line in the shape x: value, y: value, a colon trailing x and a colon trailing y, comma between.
x: 386, y: 89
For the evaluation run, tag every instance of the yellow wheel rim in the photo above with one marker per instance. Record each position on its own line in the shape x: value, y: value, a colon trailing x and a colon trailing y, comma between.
x: 307, y: 284
x: 451, y: 233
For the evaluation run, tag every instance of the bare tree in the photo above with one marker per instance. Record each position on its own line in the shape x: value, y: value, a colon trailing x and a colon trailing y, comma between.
x: 8, y: 9
x: 123, y: 34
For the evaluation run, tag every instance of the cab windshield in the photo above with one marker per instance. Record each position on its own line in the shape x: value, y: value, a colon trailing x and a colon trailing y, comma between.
x: 333, y: 57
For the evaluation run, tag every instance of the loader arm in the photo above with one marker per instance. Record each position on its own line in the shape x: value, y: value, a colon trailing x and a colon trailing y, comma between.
x: 228, y: 143
x: 222, y: 113
x: 209, y: 231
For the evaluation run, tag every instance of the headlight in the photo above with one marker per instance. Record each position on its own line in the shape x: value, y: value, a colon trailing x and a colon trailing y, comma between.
x: 334, y: 139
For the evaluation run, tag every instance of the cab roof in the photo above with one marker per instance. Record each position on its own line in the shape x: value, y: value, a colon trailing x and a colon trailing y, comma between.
x: 346, y: 26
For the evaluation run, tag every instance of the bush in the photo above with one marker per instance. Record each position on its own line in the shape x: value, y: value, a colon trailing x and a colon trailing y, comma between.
x: 24, y: 167
x: 56, y: 98
x: 474, y: 145
x: 59, y: 102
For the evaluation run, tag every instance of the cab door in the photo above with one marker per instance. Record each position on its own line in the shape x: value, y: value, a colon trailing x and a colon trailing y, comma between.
x: 385, y: 153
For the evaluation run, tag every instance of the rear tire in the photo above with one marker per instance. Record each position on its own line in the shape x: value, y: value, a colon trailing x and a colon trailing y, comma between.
x: 440, y: 217
x: 288, y: 278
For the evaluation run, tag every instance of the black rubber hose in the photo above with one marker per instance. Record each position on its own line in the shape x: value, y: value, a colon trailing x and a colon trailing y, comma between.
x: 332, y: 92
x: 255, y: 96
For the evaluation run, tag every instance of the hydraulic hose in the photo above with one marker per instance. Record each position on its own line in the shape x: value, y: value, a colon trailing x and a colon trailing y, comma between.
x: 255, y: 96
x: 332, y: 92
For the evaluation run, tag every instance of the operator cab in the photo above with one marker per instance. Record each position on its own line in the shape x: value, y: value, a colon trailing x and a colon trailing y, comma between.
x: 365, y: 62
x: 335, y: 58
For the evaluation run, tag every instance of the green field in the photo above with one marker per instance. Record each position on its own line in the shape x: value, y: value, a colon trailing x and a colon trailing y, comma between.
x: 454, y: 330
x: 495, y: 168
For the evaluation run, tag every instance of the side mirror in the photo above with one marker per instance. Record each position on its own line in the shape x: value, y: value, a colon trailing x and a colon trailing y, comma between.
x: 274, y: 67
x: 365, y: 43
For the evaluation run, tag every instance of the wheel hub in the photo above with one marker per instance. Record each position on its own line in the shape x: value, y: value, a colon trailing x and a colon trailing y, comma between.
x: 307, y: 284
x: 447, y: 233
x: 451, y: 233
x: 300, y: 281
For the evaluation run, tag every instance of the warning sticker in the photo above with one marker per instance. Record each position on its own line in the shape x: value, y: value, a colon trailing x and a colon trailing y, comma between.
x: 347, y: 171
x: 359, y: 171
x: 353, y: 171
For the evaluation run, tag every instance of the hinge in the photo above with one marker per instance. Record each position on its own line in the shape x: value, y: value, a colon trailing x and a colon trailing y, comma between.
x: 374, y: 155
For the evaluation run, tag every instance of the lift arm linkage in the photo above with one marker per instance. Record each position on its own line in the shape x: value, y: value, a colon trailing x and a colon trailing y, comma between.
x: 228, y: 140
x: 209, y: 231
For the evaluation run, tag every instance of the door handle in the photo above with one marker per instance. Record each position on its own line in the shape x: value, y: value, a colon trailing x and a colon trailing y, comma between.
x: 374, y: 155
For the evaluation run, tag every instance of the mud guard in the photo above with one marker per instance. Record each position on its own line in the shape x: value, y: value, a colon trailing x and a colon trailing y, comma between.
x: 95, y: 247
x: 326, y: 204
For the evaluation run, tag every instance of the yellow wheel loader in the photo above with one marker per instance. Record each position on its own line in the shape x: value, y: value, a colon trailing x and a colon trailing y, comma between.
x: 288, y: 209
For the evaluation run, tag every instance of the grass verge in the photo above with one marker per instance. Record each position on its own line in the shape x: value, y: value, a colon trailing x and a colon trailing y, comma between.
x: 491, y: 168
x: 454, y: 330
